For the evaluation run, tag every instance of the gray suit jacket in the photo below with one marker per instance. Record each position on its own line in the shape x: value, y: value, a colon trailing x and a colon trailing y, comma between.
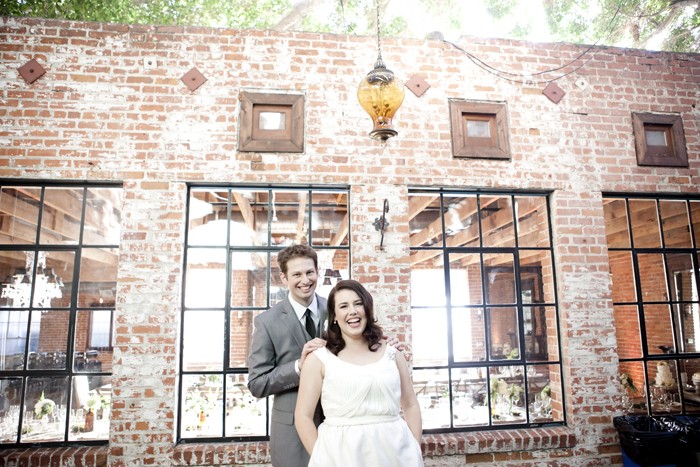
x: 278, y: 339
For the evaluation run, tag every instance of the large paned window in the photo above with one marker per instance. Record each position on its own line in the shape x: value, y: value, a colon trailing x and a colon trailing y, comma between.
x: 485, y: 328
x: 234, y: 234
x: 653, y: 244
x: 59, y: 252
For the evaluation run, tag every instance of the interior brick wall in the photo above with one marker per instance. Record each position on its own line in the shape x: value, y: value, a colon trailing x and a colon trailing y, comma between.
x: 99, y: 113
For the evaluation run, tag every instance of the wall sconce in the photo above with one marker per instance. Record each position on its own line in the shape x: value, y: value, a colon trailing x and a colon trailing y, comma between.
x: 381, y: 94
x: 380, y: 223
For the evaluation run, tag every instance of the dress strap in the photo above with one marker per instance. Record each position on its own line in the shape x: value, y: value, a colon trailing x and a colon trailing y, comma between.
x: 390, y: 352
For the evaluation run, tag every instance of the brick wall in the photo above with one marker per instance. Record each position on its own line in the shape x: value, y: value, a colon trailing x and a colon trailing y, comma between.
x: 100, y: 114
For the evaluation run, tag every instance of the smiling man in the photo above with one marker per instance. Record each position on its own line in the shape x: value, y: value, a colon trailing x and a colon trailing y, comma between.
x: 283, y: 337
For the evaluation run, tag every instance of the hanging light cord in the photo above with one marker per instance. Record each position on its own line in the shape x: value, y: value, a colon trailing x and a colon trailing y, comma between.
x: 379, y: 36
x: 503, y: 74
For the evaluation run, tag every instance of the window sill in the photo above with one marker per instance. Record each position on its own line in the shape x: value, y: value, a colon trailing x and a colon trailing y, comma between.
x: 93, y: 456
x: 481, y: 443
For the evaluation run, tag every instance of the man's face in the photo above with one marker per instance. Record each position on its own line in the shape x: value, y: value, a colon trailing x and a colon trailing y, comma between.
x: 301, y: 279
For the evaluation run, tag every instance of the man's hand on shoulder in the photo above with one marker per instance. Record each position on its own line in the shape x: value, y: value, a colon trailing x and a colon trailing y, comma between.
x: 309, y: 347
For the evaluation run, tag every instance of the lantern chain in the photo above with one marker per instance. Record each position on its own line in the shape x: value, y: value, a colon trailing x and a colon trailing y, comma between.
x: 379, y: 40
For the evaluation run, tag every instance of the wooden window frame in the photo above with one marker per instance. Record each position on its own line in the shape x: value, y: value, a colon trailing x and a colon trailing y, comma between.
x: 253, y: 139
x: 674, y: 154
x: 494, y: 147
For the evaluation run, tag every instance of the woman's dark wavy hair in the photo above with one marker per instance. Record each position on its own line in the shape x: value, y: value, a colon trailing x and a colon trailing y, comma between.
x: 372, y: 332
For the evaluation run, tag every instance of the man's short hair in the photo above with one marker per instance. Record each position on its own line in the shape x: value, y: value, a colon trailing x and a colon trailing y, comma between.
x: 296, y: 251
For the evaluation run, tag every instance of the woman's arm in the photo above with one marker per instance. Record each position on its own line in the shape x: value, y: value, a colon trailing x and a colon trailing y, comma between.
x: 409, y: 401
x: 309, y: 394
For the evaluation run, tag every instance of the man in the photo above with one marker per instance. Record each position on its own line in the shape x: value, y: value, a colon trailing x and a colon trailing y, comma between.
x: 280, y: 346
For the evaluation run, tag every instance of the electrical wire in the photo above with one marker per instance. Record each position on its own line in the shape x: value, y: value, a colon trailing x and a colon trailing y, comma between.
x: 503, y: 74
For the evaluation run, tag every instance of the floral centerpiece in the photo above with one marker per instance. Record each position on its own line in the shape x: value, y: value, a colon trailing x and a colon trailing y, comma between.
x: 43, y: 406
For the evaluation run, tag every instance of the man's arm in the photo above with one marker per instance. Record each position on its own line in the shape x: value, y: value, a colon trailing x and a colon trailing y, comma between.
x: 265, y: 376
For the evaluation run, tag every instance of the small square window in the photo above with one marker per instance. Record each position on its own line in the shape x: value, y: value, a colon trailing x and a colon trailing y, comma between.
x: 659, y: 140
x: 271, y: 122
x: 479, y: 130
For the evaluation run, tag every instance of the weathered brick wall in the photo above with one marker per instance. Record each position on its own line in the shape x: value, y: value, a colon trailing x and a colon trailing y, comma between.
x: 100, y: 114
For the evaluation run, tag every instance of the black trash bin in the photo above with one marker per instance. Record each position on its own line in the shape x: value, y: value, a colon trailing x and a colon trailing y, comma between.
x: 647, y: 441
x: 689, y: 428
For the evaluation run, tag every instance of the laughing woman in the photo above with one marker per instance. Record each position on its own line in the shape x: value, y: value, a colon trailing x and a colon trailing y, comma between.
x: 364, y: 386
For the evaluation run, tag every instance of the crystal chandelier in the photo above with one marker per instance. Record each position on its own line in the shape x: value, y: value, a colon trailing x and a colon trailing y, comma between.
x: 18, y: 287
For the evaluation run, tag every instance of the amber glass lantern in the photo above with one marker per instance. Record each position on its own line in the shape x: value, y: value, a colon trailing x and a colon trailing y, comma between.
x: 381, y: 93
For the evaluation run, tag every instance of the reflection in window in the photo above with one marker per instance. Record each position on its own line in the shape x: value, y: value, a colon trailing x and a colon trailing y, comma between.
x: 485, y: 337
x: 231, y: 275
x: 58, y: 348
x: 655, y: 296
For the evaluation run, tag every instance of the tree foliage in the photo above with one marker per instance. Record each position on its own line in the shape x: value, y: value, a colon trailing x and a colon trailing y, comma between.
x: 657, y: 24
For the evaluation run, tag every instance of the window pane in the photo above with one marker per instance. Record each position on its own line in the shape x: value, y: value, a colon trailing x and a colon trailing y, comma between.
x: 289, y: 217
x: 48, y: 339
x: 272, y: 121
x: 478, y: 129
x: 102, y: 216
x: 616, y: 227
x: 98, y: 277
x: 627, y: 331
x: 645, y: 223
x: 503, y: 327
x: 675, y: 225
x: 90, y: 408
x: 19, y: 211
x: 425, y: 223
x: 465, y: 279
x: 533, y: 221
x: 695, y: 216
x: 11, y: 390
x: 60, y: 219
x: 330, y: 222
x: 248, y: 279
x: 469, y: 397
x: 203, y: 326
x: 432, y: 390
x: 202, y: 408
x: 545, y: 393
x: 468, y: 335
x: 45, y: 402
x: 241, y: 334
x: 536, y: 276
x: 507, y: 391
x: 657, y: 319
x: 428, y: 286
x: 13, y: 338
x: 245, y: 414
x: 207, y: 217
x: 538, y: 332
x: 461, y: 226
x: 655, y: 137
x: 622, y: 276
x: 334, y: 265
x: 689, y: 327
x: 93, y: 330
x: 652, y: 277
x: 427, y: 324
x: 500, y: 285
x: 205, y: 278
x: 496, y: 213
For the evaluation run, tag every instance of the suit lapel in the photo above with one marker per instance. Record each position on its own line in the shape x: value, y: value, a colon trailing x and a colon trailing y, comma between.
x: 293, y: 324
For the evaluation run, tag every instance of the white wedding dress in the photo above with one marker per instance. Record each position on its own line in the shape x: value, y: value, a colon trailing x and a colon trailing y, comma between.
x: 363, y: 426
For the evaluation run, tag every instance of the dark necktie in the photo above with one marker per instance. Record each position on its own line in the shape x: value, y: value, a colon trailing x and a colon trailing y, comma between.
x: 310, y: 326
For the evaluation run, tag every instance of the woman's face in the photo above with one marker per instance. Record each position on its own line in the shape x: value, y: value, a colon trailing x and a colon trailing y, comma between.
x: 350, y: 313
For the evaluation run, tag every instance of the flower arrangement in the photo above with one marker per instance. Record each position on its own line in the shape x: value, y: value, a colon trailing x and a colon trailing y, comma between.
x: 627, y: 383
x: 43, y: 406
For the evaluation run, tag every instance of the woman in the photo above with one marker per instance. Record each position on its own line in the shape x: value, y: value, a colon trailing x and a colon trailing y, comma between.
x: 363, y: 384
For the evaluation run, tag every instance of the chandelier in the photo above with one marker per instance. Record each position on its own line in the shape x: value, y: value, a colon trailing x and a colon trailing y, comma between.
x: 18, y: 287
